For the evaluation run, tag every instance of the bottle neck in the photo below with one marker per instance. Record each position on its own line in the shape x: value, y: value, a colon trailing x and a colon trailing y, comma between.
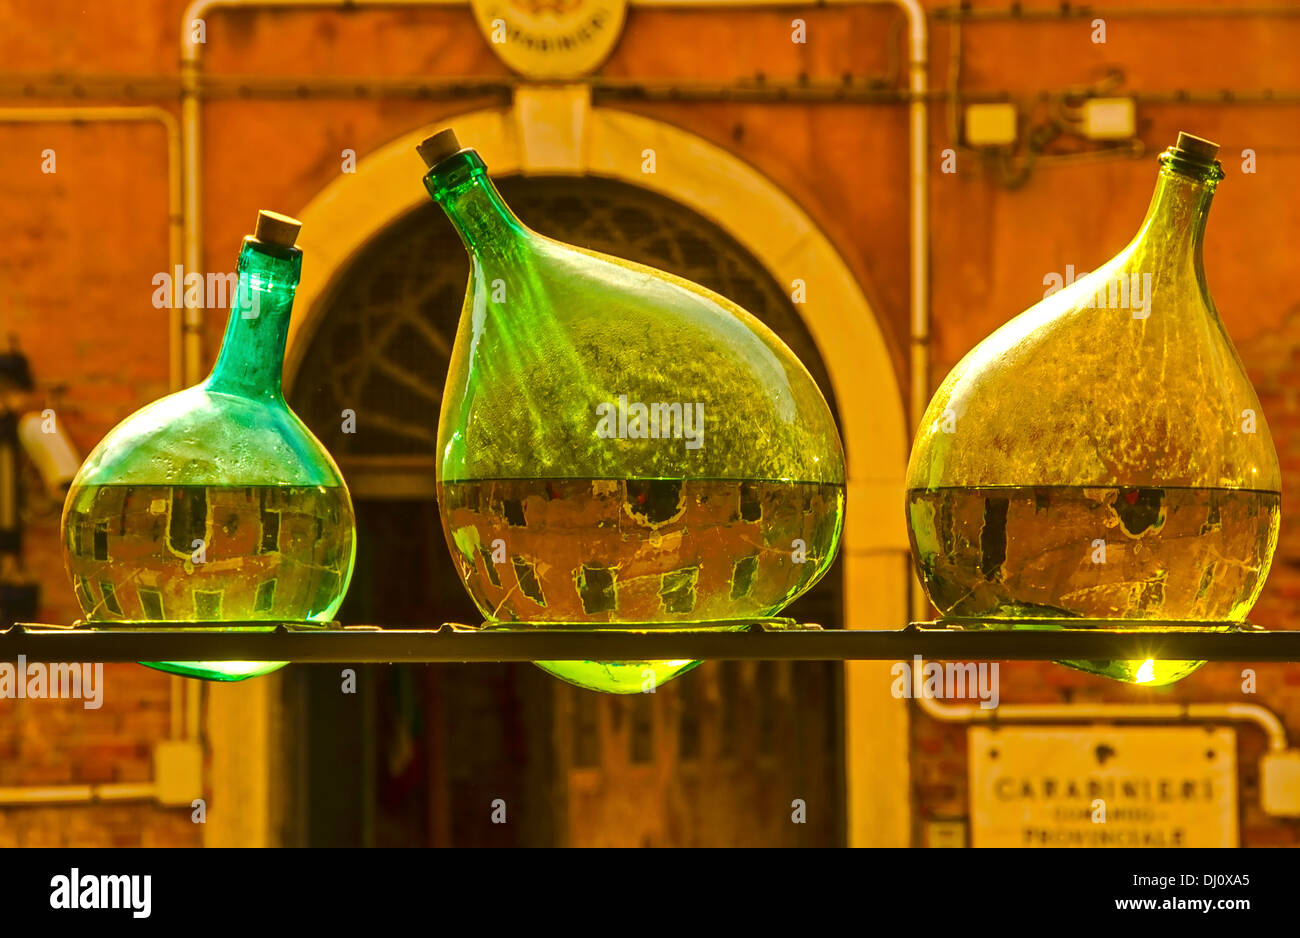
x: 251, y: 360
x: 460, y: 184
x: 1179, y: 209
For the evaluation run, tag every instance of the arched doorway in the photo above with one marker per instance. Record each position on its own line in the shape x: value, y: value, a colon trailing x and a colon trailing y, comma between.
x: 556, y: 130
x: 715, y: 758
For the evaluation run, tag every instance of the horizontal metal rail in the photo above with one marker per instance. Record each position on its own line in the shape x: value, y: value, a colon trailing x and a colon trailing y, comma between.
x: 771, y: 639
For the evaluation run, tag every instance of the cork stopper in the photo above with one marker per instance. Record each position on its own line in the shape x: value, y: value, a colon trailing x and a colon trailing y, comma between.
x: 1197, y: 148
x: 433, y: 150
x: 274, y: 228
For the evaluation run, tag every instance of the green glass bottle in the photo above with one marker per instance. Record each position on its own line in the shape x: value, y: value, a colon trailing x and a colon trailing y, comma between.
x: 216, y: 504
x: 618, y: 447
x: 1104, y: 455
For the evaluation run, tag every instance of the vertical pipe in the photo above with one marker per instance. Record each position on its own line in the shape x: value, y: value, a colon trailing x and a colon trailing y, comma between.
x: 918, y: 231
x: 920, y: 245
x: 192, y: 214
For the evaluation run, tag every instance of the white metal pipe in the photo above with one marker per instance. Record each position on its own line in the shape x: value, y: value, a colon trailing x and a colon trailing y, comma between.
x: 1261, y: 716
x: 919, y: 235
x: 76, y: 794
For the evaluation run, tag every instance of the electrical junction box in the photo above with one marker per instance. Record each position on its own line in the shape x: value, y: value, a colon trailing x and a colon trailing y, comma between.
x: 1109, y: 118
x: 177, y: 772
x: 1279, y: 783
x: 991, y: 125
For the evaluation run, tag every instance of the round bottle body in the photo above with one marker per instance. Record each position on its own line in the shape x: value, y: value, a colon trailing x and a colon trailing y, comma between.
x: 622, y: 448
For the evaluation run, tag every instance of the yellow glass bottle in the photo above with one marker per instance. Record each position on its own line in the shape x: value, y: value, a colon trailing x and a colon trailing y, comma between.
x: 1104, y: 455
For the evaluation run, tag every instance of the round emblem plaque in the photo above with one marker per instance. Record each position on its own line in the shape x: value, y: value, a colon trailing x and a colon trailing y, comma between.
x: 551, y: 38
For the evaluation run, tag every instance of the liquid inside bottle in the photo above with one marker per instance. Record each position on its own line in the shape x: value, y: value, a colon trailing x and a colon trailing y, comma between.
x: 1017, y: 552
x: 203, y: 553
x: 591, y: 551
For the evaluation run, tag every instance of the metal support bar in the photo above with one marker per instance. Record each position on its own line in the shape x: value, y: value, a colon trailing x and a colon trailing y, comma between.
x: 771, y: 639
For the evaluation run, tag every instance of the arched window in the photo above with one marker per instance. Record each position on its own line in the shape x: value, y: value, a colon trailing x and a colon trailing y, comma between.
x: 386, y: 332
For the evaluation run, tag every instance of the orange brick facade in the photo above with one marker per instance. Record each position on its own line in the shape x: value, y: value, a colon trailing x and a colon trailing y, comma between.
x: 83, y: 244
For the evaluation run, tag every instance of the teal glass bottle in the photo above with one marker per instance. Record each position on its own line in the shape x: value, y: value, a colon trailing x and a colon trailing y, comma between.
x: 618, y: 447
x: 216, y: 504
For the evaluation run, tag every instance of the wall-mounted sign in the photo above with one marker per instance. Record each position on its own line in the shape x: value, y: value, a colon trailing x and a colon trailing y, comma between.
x: 1115, y: 787
x: 551, y: 38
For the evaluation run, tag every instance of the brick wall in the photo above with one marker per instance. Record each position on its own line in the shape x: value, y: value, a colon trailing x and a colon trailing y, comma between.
x: 82, y: 245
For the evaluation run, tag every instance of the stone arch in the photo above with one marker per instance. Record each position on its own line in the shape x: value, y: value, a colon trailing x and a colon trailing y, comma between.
x: 558, y: 131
